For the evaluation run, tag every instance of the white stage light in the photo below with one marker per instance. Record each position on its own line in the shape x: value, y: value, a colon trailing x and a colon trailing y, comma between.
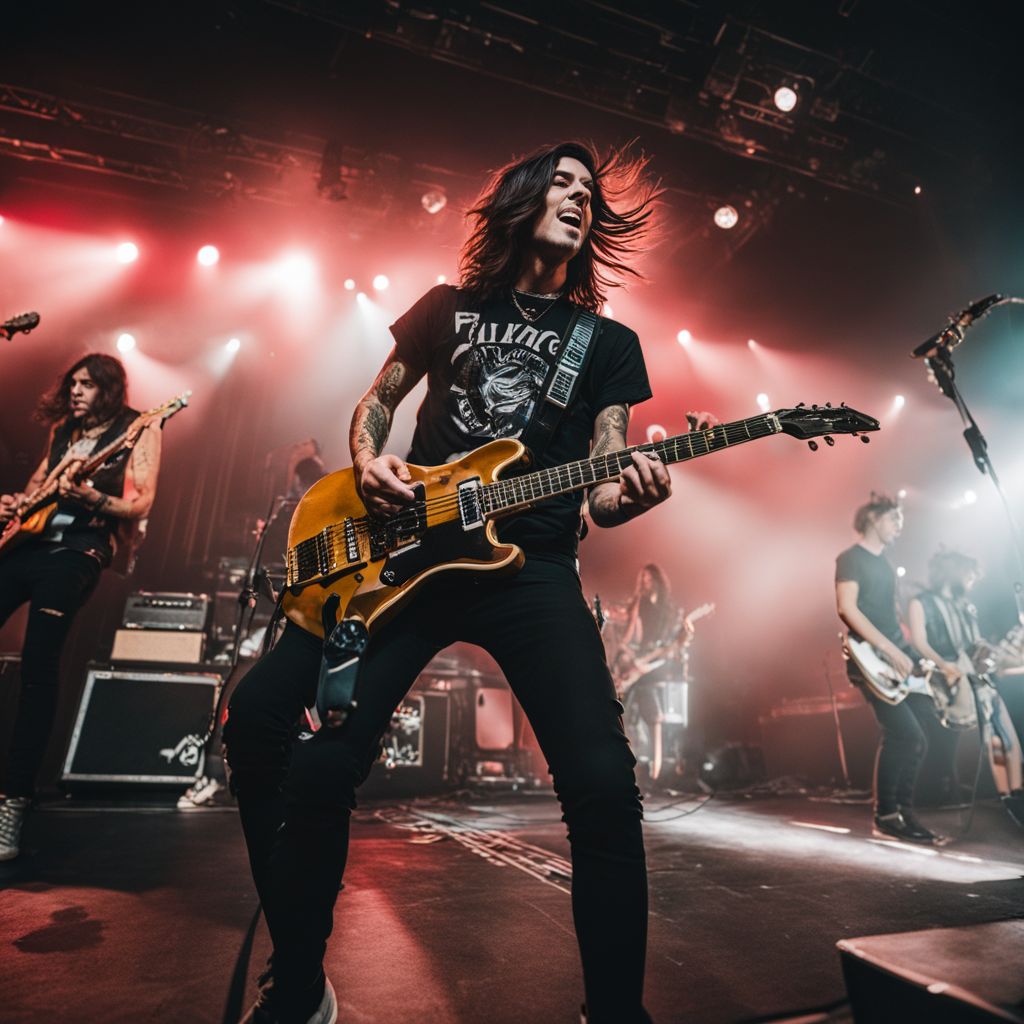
x: 901, y: 493
x: 763, y: 402
x: 970, y: 497
x: 233, y: 345
x: 786, y: 98
x: 362, y: 298
x: 350, y: 285
x: 898, y: 402
x: 917, y: 190
x: 441, y: 279
x: 380, y: 282
x: 684, y: 337
x: 434, y: 200
x: 127, y: 252
x: 751, y: 344
x: 901, y: 571
x: 208, y: 255
x: 726, y: 217
x: 125, y: 343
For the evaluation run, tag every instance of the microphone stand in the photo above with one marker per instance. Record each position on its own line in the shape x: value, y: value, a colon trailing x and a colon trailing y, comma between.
x: 940, y: 362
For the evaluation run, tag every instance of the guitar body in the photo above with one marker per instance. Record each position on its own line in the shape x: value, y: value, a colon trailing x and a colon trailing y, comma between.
x: 881, y: 678
x: 375, y: 583
x: 19, y: 529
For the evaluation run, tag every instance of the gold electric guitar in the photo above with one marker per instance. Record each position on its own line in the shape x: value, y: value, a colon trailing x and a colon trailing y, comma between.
x: 374, y: 564
x: 35, y: 509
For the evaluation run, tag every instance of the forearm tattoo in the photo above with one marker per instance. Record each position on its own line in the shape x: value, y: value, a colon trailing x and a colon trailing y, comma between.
x: 370, y: 428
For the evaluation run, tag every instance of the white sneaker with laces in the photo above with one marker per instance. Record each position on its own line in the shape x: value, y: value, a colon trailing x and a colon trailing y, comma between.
x: 12, y: 819
x: 199, y: 794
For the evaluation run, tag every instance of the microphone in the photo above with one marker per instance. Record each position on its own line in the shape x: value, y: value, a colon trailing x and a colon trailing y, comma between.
x: 951, y: 335
x: 26, y: 322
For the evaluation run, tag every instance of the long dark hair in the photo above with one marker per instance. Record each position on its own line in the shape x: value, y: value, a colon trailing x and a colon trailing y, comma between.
x: 660, y: 609
x: 109, y: 376
x: 623, y: 200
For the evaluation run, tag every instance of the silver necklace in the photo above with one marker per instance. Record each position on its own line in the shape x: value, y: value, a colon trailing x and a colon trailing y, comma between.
x: 532, y: 318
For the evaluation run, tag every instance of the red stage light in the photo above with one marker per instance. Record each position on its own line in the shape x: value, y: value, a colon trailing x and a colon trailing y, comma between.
x: 208, y: 255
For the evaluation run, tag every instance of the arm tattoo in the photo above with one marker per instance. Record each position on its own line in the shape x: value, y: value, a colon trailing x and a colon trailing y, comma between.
x: 388, y: 385
x: 611, y: 430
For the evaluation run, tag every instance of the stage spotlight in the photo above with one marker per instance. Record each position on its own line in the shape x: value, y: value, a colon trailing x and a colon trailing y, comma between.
x: 441, y: 279
x: 901, y: 493
x: 434, y: 200
x: 380, y: 282
x: 362, y: 298
x: 786, y: 98
x: 350, y: 285
x: 655, y: 433
x: 898, y: 402
x: 1, y: 219
x: 901, y: 571
x: 684, y: 337
x: 726, y: 217
x: 208, y: 255
x: 127, y: 252
x: 751, y: 344
x: 125, y: 343
x: 233, y: 345
x: 763, y: 402
x: 970, y: 497
x: 917, y: 190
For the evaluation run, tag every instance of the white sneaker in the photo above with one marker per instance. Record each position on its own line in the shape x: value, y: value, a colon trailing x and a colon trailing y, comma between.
x: 199, y: 794
x: 12, y: 819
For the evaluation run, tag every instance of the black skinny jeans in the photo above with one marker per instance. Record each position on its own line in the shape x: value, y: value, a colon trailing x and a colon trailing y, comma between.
x: 295, y: 798
x: 901, y: 750
x: 57, y: 582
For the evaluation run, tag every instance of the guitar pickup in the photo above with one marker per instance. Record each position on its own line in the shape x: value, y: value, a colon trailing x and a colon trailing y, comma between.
x: 471, y: 513
x: 351, y: 541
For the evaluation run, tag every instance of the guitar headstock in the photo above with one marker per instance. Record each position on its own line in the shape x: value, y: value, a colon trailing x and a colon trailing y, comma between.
x: 168, y: 409
x: 807, y: 422
x: 24, y: 323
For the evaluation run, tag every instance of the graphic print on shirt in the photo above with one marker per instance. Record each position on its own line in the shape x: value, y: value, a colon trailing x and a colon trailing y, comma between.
x: 499, y: 370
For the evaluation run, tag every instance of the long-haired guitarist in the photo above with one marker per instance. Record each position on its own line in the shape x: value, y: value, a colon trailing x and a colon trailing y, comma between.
x: 56, y: 569
x: 866, y: 602
x: 549, y: 233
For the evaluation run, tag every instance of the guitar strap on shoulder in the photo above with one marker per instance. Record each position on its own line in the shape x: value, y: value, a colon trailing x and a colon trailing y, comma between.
x: 563, y: 381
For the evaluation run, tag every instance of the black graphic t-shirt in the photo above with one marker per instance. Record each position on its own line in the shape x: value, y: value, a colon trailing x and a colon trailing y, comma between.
x: 486, y: 368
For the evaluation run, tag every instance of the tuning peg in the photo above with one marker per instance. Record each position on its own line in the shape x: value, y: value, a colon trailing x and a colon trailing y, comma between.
x: 865, y: 439
x: 813, y: 445
x: 800, y: 405
x: 828, y: 405
x: 830, y: 441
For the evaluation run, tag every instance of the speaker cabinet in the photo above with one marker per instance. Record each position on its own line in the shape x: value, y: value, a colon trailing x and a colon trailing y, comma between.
x: 137, y: 726
x: 155, y: 645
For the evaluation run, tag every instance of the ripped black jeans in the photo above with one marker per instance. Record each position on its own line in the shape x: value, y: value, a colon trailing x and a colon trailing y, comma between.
x: 56, y: 582
x: 295, y: 798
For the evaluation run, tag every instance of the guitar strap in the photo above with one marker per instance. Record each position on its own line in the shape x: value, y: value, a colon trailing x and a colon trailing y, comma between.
x: 563, y: 380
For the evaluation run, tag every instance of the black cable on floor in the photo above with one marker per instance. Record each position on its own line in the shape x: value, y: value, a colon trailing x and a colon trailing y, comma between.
x: 239, y: 976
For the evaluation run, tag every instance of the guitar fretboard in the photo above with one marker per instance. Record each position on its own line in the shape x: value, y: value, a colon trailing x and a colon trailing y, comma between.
x: 520, y: 491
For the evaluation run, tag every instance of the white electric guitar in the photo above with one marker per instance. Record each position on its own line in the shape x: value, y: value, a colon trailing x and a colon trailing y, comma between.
x: 882, y: 678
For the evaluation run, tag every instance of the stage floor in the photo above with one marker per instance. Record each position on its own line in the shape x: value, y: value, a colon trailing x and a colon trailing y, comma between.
x: 457, y: 910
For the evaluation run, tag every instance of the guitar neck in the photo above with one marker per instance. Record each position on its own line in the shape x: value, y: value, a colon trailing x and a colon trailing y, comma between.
x: 515, y: 493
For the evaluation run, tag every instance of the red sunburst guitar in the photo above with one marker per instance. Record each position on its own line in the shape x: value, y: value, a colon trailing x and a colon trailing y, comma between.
x: 36, y: 509
x: 371, y: 565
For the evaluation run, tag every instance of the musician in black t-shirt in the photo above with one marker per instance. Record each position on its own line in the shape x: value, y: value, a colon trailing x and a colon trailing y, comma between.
x: 546, y: 237
x: 866, y: 602
x: 56, y: 570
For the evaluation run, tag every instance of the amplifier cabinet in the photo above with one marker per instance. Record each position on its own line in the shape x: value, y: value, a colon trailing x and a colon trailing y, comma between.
x: 144, y: 727
x: 146, y: 610
x: 158, y: 645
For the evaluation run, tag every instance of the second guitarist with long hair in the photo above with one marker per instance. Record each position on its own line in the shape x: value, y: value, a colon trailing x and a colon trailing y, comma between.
x: 548, y: 232
x: 56, y: 570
